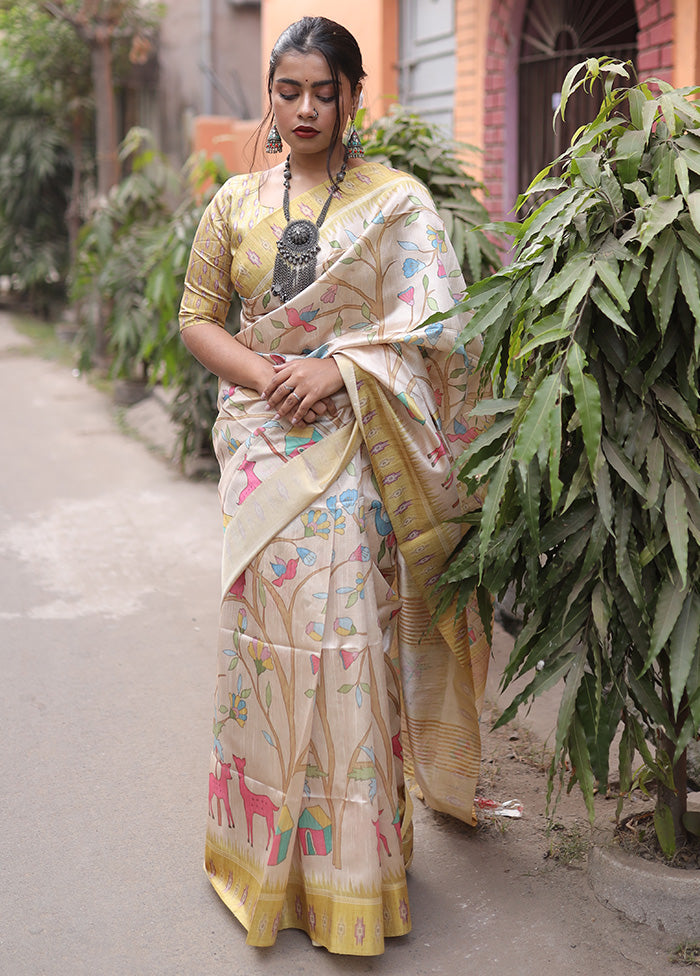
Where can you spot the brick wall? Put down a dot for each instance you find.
(655, 57)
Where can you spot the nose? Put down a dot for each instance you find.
(306, 108)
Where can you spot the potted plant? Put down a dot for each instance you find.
(592, 338)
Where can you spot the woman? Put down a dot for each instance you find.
(339, 410)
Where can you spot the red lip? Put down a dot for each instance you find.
(305, 130)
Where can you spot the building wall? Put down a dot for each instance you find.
(215, 32)
(374, 24)
(661, 23)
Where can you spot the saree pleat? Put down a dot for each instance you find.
(331, 683)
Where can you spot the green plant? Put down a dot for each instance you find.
(132, 260)
(592, 337)
(35, 179)
(407, 142)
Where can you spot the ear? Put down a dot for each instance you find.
(356, 99)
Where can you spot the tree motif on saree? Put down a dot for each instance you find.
(331, 681)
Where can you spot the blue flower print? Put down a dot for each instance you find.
(412, 267)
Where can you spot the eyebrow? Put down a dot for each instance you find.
(314, 84)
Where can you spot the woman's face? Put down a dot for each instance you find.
(303, 102)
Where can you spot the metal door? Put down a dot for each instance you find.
(557, 34)
(427, 59)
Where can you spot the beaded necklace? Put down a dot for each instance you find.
(295, 264)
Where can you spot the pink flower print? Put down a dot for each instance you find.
(239, 709)
(408, 295)
(360, 555)
(298, 907)
(362, 178)
(314, 629)
(403, 910)
(329, 295)
(348, 658)
(261, 655)
(276, 923)
(441, 269)
(344, 626)
(238, 586)
(437, 239)
(312, 917)
(316, 522)
(254, 258)
(307, 211)
(315, 663)
(360, 931)
(242, 621)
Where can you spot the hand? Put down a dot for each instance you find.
(303, 389)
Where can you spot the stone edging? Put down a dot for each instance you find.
(667, 899)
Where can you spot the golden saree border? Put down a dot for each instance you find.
(443, 751)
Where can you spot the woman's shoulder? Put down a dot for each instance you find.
(238, 186)
(406, 188)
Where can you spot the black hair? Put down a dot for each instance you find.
(340, 50)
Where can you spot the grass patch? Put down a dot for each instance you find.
(569, 845)
(687, 953)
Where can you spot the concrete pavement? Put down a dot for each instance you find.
(108, 604)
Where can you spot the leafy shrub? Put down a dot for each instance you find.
(592, 335)
(35, 179)
(132, 259)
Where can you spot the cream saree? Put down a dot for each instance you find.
(330, 683)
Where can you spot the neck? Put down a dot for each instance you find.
(315, 166)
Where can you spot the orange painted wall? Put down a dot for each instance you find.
(686, 40)
(471, 23)
(374, 23)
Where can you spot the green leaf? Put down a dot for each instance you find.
(536, 423)
(693, 201)
(567, 702)
(663, 824)
(658, 215)
(581, 762)
(621, 463)
(587, 399)
(268, 695)
(666, 612)
(682, 176)
(605, 303)
(687, 274)
(608, 272)
(655, 471)
(676, 515)
(497, 485)
(683, 648)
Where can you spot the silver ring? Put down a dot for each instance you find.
(288, 387)
(295, 395)
(315, 114)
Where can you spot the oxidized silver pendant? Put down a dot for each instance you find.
(295, 264)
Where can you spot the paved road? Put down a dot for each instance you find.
(108, 600)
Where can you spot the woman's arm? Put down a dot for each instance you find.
(224, 356)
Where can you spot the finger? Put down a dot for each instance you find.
(278, 392)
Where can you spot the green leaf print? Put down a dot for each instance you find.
(268, 695)
(344, 689)
(409, 220)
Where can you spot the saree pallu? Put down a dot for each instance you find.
(331, 682)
